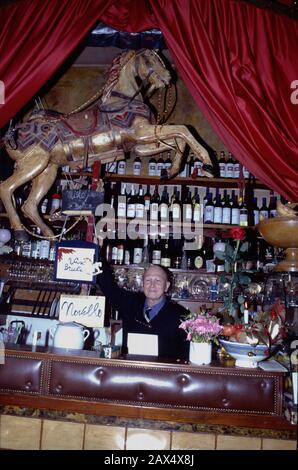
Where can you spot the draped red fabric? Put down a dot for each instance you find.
(239, 62)
(36, 37)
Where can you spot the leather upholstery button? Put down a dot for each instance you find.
(28, 385)
(184, 379)
(263, 384)
(141, 396)
(59, 388)
(225, 402)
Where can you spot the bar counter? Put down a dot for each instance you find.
(209, 403)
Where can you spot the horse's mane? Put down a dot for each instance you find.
(114, 72)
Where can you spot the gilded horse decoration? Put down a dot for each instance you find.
(117, 120)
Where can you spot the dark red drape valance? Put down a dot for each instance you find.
(238, 61)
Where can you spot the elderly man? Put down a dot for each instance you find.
(149, 312)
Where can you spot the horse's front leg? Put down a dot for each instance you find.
(40, 186)
(147, 133)
(27, 168)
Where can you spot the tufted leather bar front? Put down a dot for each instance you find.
(142, 384)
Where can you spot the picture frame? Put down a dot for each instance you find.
(74, 261)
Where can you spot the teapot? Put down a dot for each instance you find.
(69, 335)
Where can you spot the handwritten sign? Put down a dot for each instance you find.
(76, 263)
(88, 310)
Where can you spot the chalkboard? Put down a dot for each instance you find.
(82, 201)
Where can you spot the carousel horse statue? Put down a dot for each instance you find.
(115, 121)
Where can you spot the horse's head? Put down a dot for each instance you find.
(150, 68)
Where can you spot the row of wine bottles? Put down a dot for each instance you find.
(221, 208)
(173, 253)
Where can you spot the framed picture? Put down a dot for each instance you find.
(74, 261)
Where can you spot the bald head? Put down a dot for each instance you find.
(156, 284)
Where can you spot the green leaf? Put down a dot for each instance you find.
(244, 247)
(229, 251)
(227, 267)
(220, 255)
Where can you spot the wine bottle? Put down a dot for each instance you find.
(160, 166)
(217, 217)
(196, 207)
(272, 206)
(176, 208)
(140, 204)
(154, 206)
(131, 204)
(187, 208)
(198, 166)
(264, 212)
(222, 164)
(209, 210)
(230, 167)
(121, 203)
(156, 252)
(168, 162)
(164, 205)
(243, 213)
(165, 255)
(256, 211)
(137, 166)
(236, 169)
(226, 209)
(121, 168)
(147, 199)
(138, 251)
(152, 167)
(235, 219)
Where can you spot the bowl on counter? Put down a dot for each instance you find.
(246, 355)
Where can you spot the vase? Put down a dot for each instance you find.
(200, 353)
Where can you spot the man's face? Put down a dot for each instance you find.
(155, 284)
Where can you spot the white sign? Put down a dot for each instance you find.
(75, 264)
(146, 345)
(88, 310)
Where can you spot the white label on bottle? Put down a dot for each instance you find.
(263, 215)
(140, 211)
(44, 249)
(209, 214)
(156, 256)
(176, 212)
(245, 172)
(147, 204)
(188, 213)
(226, 215)
(126, 257)
(198, 262)
(217, 215)
(121, 168)
(235, 216)
(120, 253)
(222, 170)
(236, 170)
(137, 168)
(137, 255)
(114, 254)
(112, 167)
(164, 210)
(154, 211)
(152, 169)
(199, 166)
(121, 209)
(230, 170)
(131, 211)
(197, 213)
(165, 262)
(256, 217)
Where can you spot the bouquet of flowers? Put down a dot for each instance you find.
(201, 328)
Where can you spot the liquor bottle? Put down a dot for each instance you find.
(168, 162)
(44, 206)
(235, 218)
(264, 212)
(196, 207)
(137, 166)
(120, 252)
(272, 206)
(222, 164)
(243, 213)
(198, 166)
(121, 168)
(245, 172)
(165, 255)
(55, 202)
(236, 169)
(156, 252)
(127, 250)
(152, 167)
(111, 167)
(209, 210)
(256, 211)
(199, 262)
(217, 217)
(176, 208)
(190, 164)
(138, 251)
(209, 254)
(131, 204)
(187, 208)
(160, 166)
(230, 167)
(204, 203)
(226, 209)
(154, 205)
(164, 205)
(140, 204)
(147, 199)
(121, 203)
(146, 251)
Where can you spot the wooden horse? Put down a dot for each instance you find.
(116, 122)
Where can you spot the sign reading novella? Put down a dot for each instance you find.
(75, 261)
(88, 310)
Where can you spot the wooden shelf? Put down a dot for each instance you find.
(199, 181)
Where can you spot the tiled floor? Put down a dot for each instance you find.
(32, 434)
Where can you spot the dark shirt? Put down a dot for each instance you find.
(172, 343)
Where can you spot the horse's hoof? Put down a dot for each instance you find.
(20, 235)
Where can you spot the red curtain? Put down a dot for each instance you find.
(238, 61)
(36, 37)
